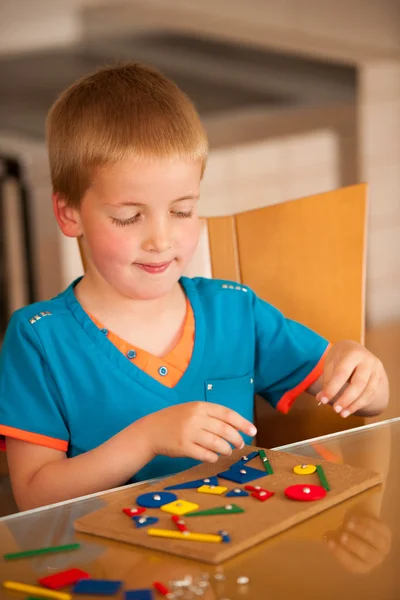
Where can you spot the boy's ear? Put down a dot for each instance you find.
(68, 218)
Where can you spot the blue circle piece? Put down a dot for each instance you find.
(155, 499)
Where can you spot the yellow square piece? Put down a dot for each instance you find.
(212, 489)
(179, 507)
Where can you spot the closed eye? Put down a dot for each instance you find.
(184, 215)
(124, 222)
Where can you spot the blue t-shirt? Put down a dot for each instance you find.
(63, 384)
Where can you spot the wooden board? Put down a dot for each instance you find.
(260, 521)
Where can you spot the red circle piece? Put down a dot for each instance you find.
(305, 492)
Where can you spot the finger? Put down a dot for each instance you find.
(340, 376)
(349, 561)
(362, 401)
(212, 442)
(358, 384)
(376, 533)
(232, 418)
(224, 431)
(202, 454)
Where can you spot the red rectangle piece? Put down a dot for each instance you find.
(63, 578)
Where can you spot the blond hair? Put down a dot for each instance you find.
(118, 112)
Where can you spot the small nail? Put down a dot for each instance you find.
(344, 538)
(324, 400)
(253, 431)
(345, 413)
(351, 525)
(338, 408)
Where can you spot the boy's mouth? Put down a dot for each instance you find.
(154, 268)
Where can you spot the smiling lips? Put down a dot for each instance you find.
(154, 268)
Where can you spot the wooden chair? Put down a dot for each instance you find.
(307, 258)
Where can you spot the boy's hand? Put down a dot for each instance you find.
(199, 430)
(354, 380)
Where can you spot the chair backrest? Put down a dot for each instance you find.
(307, 258)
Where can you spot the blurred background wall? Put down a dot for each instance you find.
(298, 97)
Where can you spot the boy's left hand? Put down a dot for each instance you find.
(353, 381)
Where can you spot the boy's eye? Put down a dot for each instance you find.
(123, 222)
(183, 215)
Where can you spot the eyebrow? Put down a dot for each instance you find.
(131, 203)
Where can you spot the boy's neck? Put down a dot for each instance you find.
(100, 299)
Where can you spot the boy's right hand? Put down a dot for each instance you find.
(199, 430)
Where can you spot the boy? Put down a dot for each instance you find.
(134, 371)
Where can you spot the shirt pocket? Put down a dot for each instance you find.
(236, 393)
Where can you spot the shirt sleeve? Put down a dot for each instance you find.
(31, 408)
(289, 356)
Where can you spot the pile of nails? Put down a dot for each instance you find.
(188, 588)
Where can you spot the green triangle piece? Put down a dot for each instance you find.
(228, 509)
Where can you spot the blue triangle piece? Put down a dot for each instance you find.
(244, 459)
(249, 474)
(142, 521)
(188, 485)
(236, 492)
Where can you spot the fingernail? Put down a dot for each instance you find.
(253, 430)
(324, 400)
(351, 525)
(345, 413)
(241, 445)
(344, 538)
(338, 408)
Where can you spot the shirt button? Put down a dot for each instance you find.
(105, 331)
(163, 371)
(131, 354)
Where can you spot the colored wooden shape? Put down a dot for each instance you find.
(243, 460)
(16, 586)
(305, 492)
(63, 578)
(144, 521)
(39, 551)
(243, 475)
(99, 587)
(236, 492)
(267, 465)
(179, 522)
(322, 478)
(262, 495)
(155, 499)
(228, 509)
(225, 536)
(161, 588)
(139, 595)
(191, 537)
(196, 483)
(130, 512)
(179, 507)
(304, 469)
(218, 490)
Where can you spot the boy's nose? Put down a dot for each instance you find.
(158, 239)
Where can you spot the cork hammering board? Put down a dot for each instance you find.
(260, 521)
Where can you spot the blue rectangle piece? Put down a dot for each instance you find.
(139, 595)
(101, 587)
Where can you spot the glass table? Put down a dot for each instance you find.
(350, 551)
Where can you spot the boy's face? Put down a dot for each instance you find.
(140, 225)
